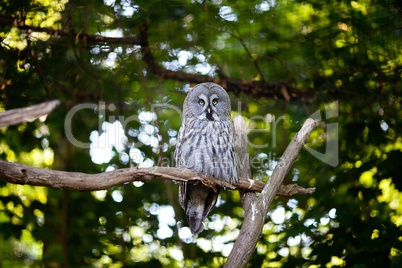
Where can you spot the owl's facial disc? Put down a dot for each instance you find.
(209, 102)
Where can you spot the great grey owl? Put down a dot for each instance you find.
(205, 144)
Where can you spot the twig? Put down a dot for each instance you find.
(240, 38)
(19, 115)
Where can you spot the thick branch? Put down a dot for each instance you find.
(285, 164)
(22, 174)
(16, 116)
(249, 235)
(243, 159)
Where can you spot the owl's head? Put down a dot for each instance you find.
(207, 101)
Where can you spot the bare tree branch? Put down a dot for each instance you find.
(22, 174)
(255, 216)
(243, 158)
(16, 116)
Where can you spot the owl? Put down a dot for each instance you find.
(205, 144)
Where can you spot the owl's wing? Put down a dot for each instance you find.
(183, 194)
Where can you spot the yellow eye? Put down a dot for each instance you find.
(201, 102)
(214, 101)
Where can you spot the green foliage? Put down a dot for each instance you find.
(346, 51)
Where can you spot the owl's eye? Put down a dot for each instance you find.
(201, 102)
(214, 101)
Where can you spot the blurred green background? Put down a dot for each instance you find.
(316, 54)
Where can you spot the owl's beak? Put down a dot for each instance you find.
(209, 114)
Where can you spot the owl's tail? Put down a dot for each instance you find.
(199, 201)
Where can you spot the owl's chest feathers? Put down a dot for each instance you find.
(207, 147)
(207, 133)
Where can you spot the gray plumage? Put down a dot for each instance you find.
(205, 144)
